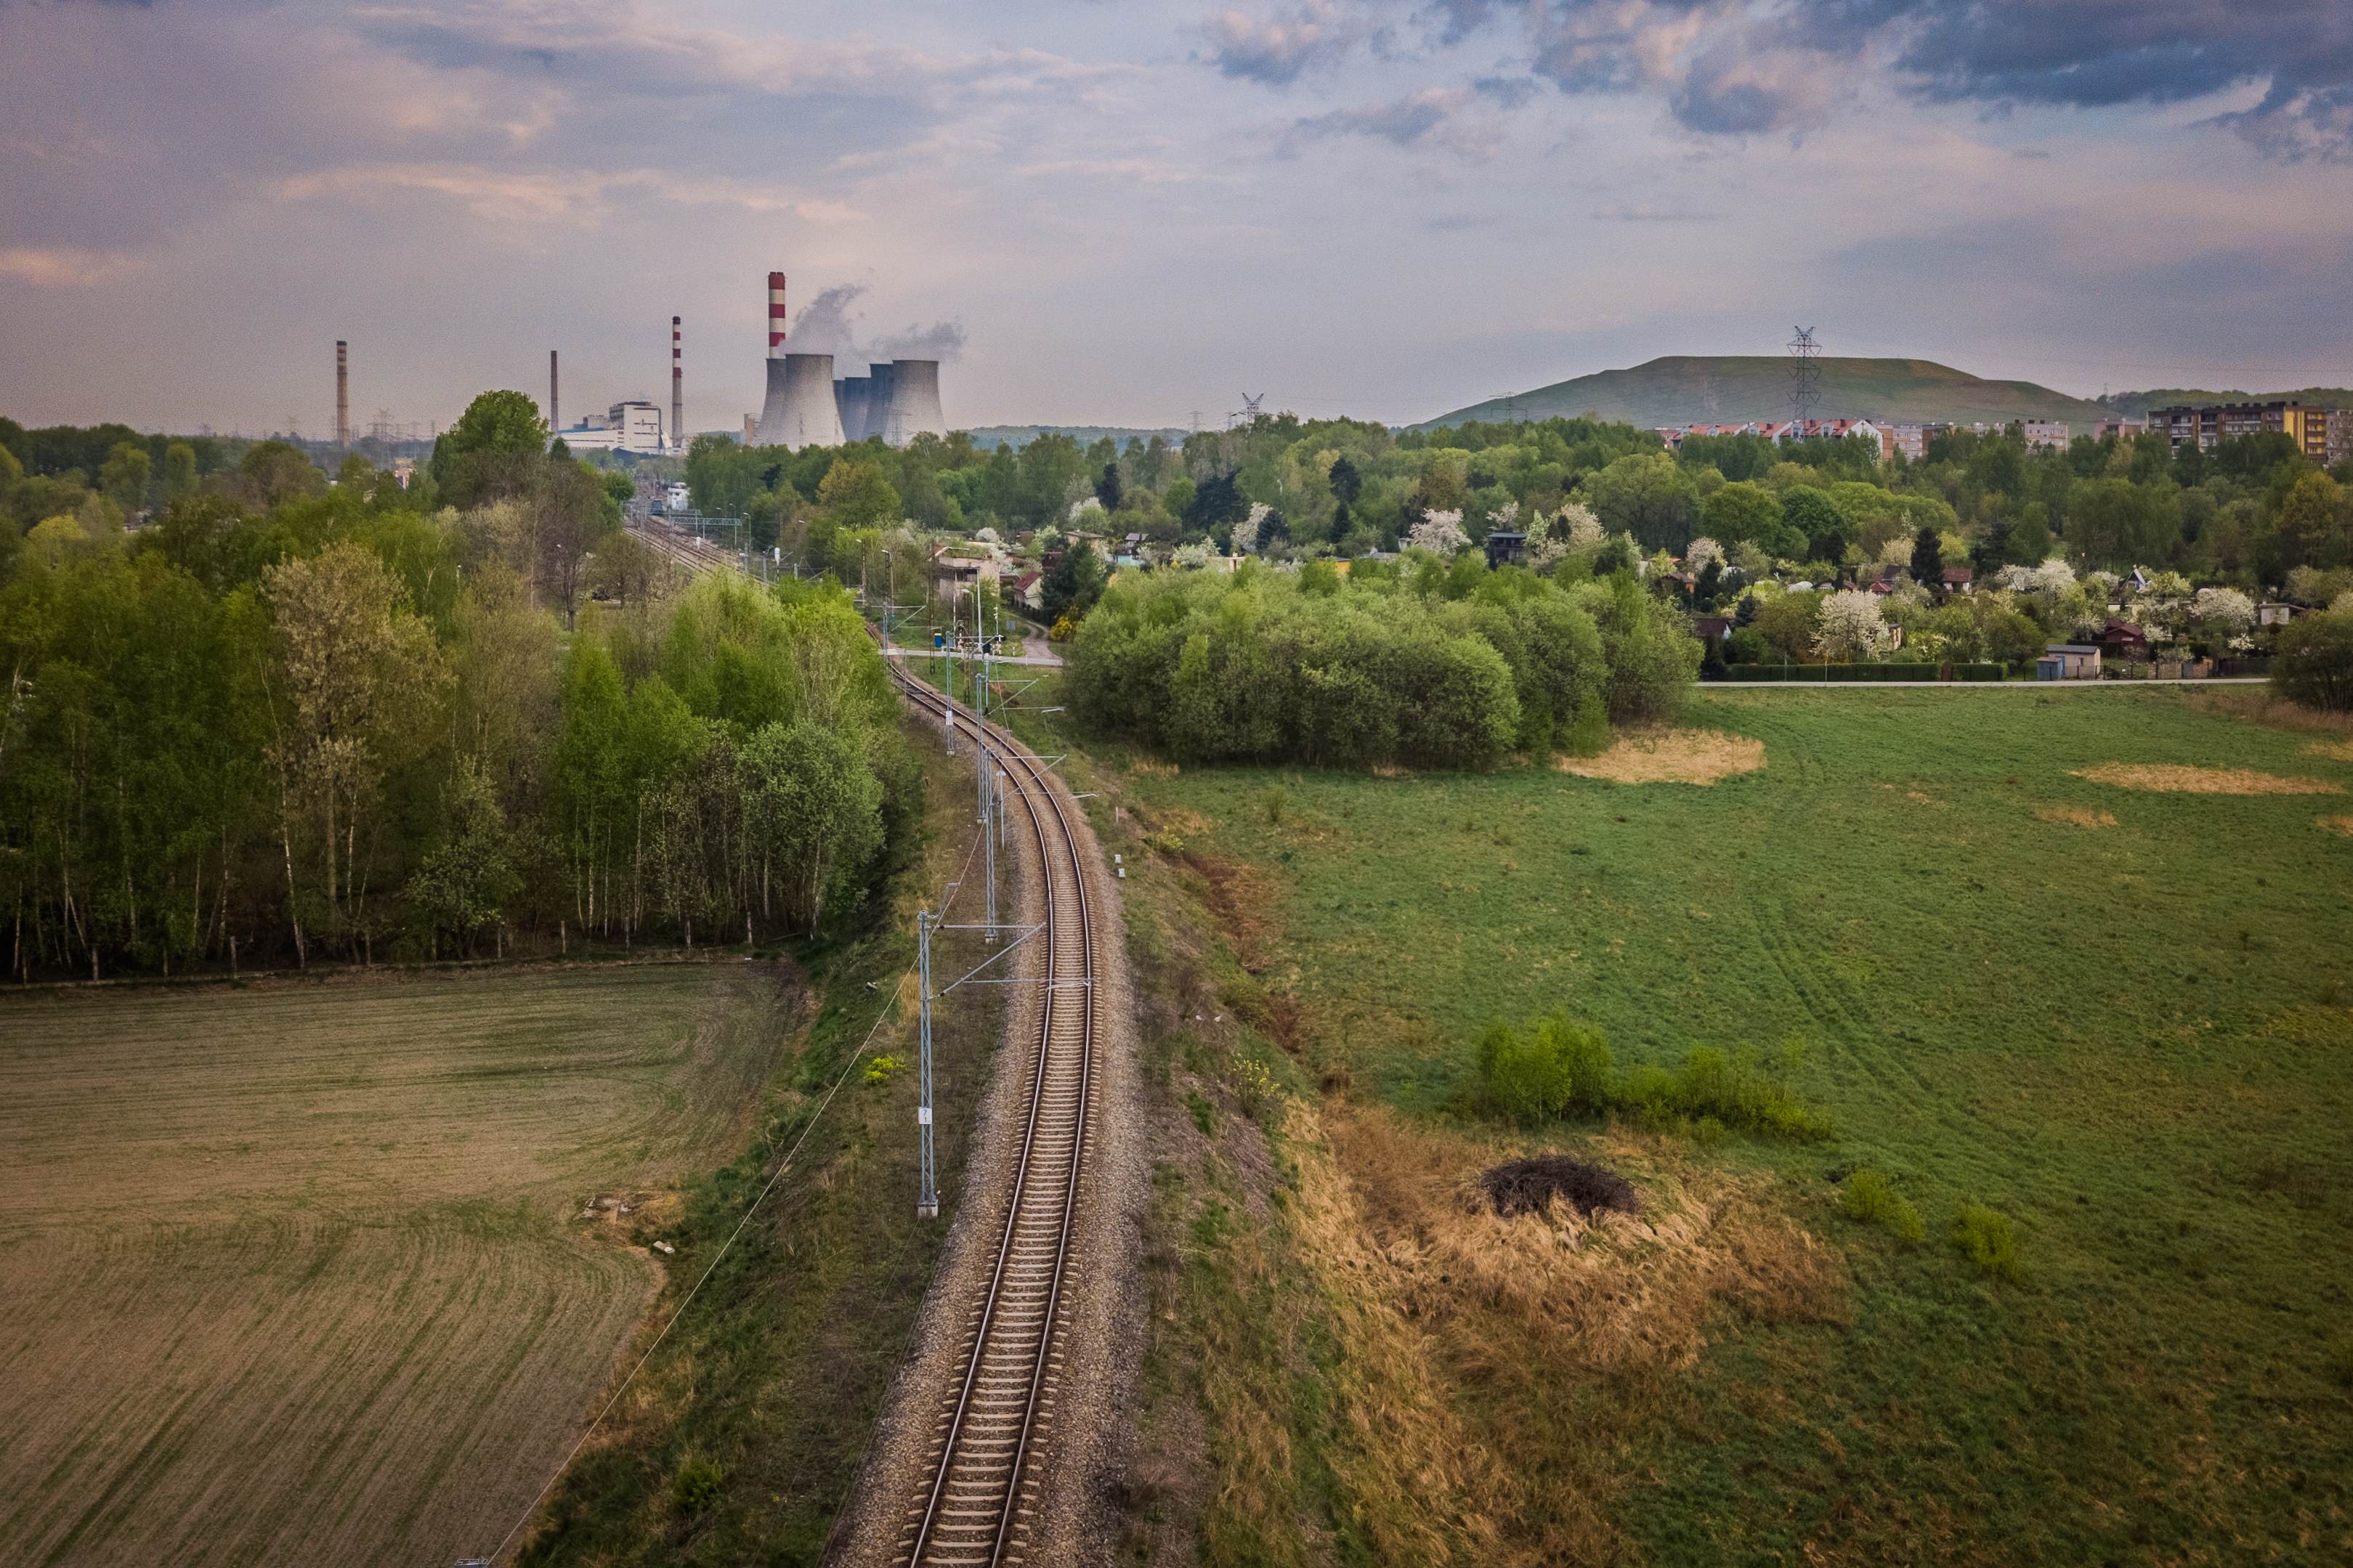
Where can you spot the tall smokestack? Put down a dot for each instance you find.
(677, 391)
(554, 422)
(342, 393)
(775, 315)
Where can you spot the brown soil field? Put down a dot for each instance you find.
(298, 1272)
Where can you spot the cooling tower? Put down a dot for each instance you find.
(800, 411)
(914, 404)
(878, 401)
(851, 393)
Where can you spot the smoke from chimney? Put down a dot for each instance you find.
(775, 315)
(677, 390)
(342, 393)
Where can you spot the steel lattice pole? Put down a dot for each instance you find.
(927, 1197)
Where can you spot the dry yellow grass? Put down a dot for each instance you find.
(2178, 778)
(2336, 751)
(1671, 756)
(2341, 825)
(2080, 815)
(1428, 1290)
(319, 1272)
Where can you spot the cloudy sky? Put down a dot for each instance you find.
(1126, 211)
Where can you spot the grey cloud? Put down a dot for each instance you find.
(1404, 120)
(1511, 92)
(1732, 68)
(1277, 50)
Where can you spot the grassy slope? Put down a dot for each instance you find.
(297, 1267)
(2133, 1039)
(1735, 388)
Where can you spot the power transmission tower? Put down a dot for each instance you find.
(1805, 376)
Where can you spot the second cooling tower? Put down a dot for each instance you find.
(911, 406)
(853, 395)
(800, 411)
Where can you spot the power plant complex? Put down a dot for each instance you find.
(807, 407)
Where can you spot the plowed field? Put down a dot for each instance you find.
(298, 1273)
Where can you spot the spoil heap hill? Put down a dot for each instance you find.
(1725, 389)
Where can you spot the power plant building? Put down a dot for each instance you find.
(634, 426)
(804, 406)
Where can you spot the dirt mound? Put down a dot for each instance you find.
(2176, 778)
(2081, 816)
(2341, 825)
(1671, 756)
(1528, 1186)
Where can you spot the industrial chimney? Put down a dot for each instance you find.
(799, 410)
(342, 393)
(554, 422)
(914, 403)
(677, 391)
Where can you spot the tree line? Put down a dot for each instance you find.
(293, 720)
(1428, 662)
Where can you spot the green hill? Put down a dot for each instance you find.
(1726, 389)
(2135, 405)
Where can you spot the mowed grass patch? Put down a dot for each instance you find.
(300, 1270)
(2122, 1041)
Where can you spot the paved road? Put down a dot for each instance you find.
(1980, 685)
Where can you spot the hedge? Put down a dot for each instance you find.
(1838, 672)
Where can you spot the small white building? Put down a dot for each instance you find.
(676, 498)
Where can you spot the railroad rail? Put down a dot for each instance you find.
(978, 1490)
(979, 1487)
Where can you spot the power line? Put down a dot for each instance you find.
(810, 1126)
(1805, 375)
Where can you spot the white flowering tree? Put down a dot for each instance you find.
(1193, 555)
(2224, 610)
(1851, 625)
(1506, 519)
(1440, 534)
(1246, 531)
(1577, 524)
(1700, 551)
(2053, 577)
(1083, 505)
(989, 535)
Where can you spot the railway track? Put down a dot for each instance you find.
(980, 1486)
(981, 1476)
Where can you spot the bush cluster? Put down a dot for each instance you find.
(1871, 1197)
(1431, 666)
(1555, 1068)
(1986, 1239)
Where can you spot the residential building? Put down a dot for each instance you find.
(2068, 661)
(2123, 429)
(2047, 433)
(2214, 423)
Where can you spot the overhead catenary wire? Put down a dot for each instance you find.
(948, 898)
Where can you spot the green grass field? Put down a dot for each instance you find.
(2124, 1018)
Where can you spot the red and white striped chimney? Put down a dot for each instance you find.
(775, 315)
(677, 390)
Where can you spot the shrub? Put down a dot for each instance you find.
(1557, 1066)
(1274, 800)
(1870, 1198)
(1985, 1238)
(696, 1485)
(2314, 661)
